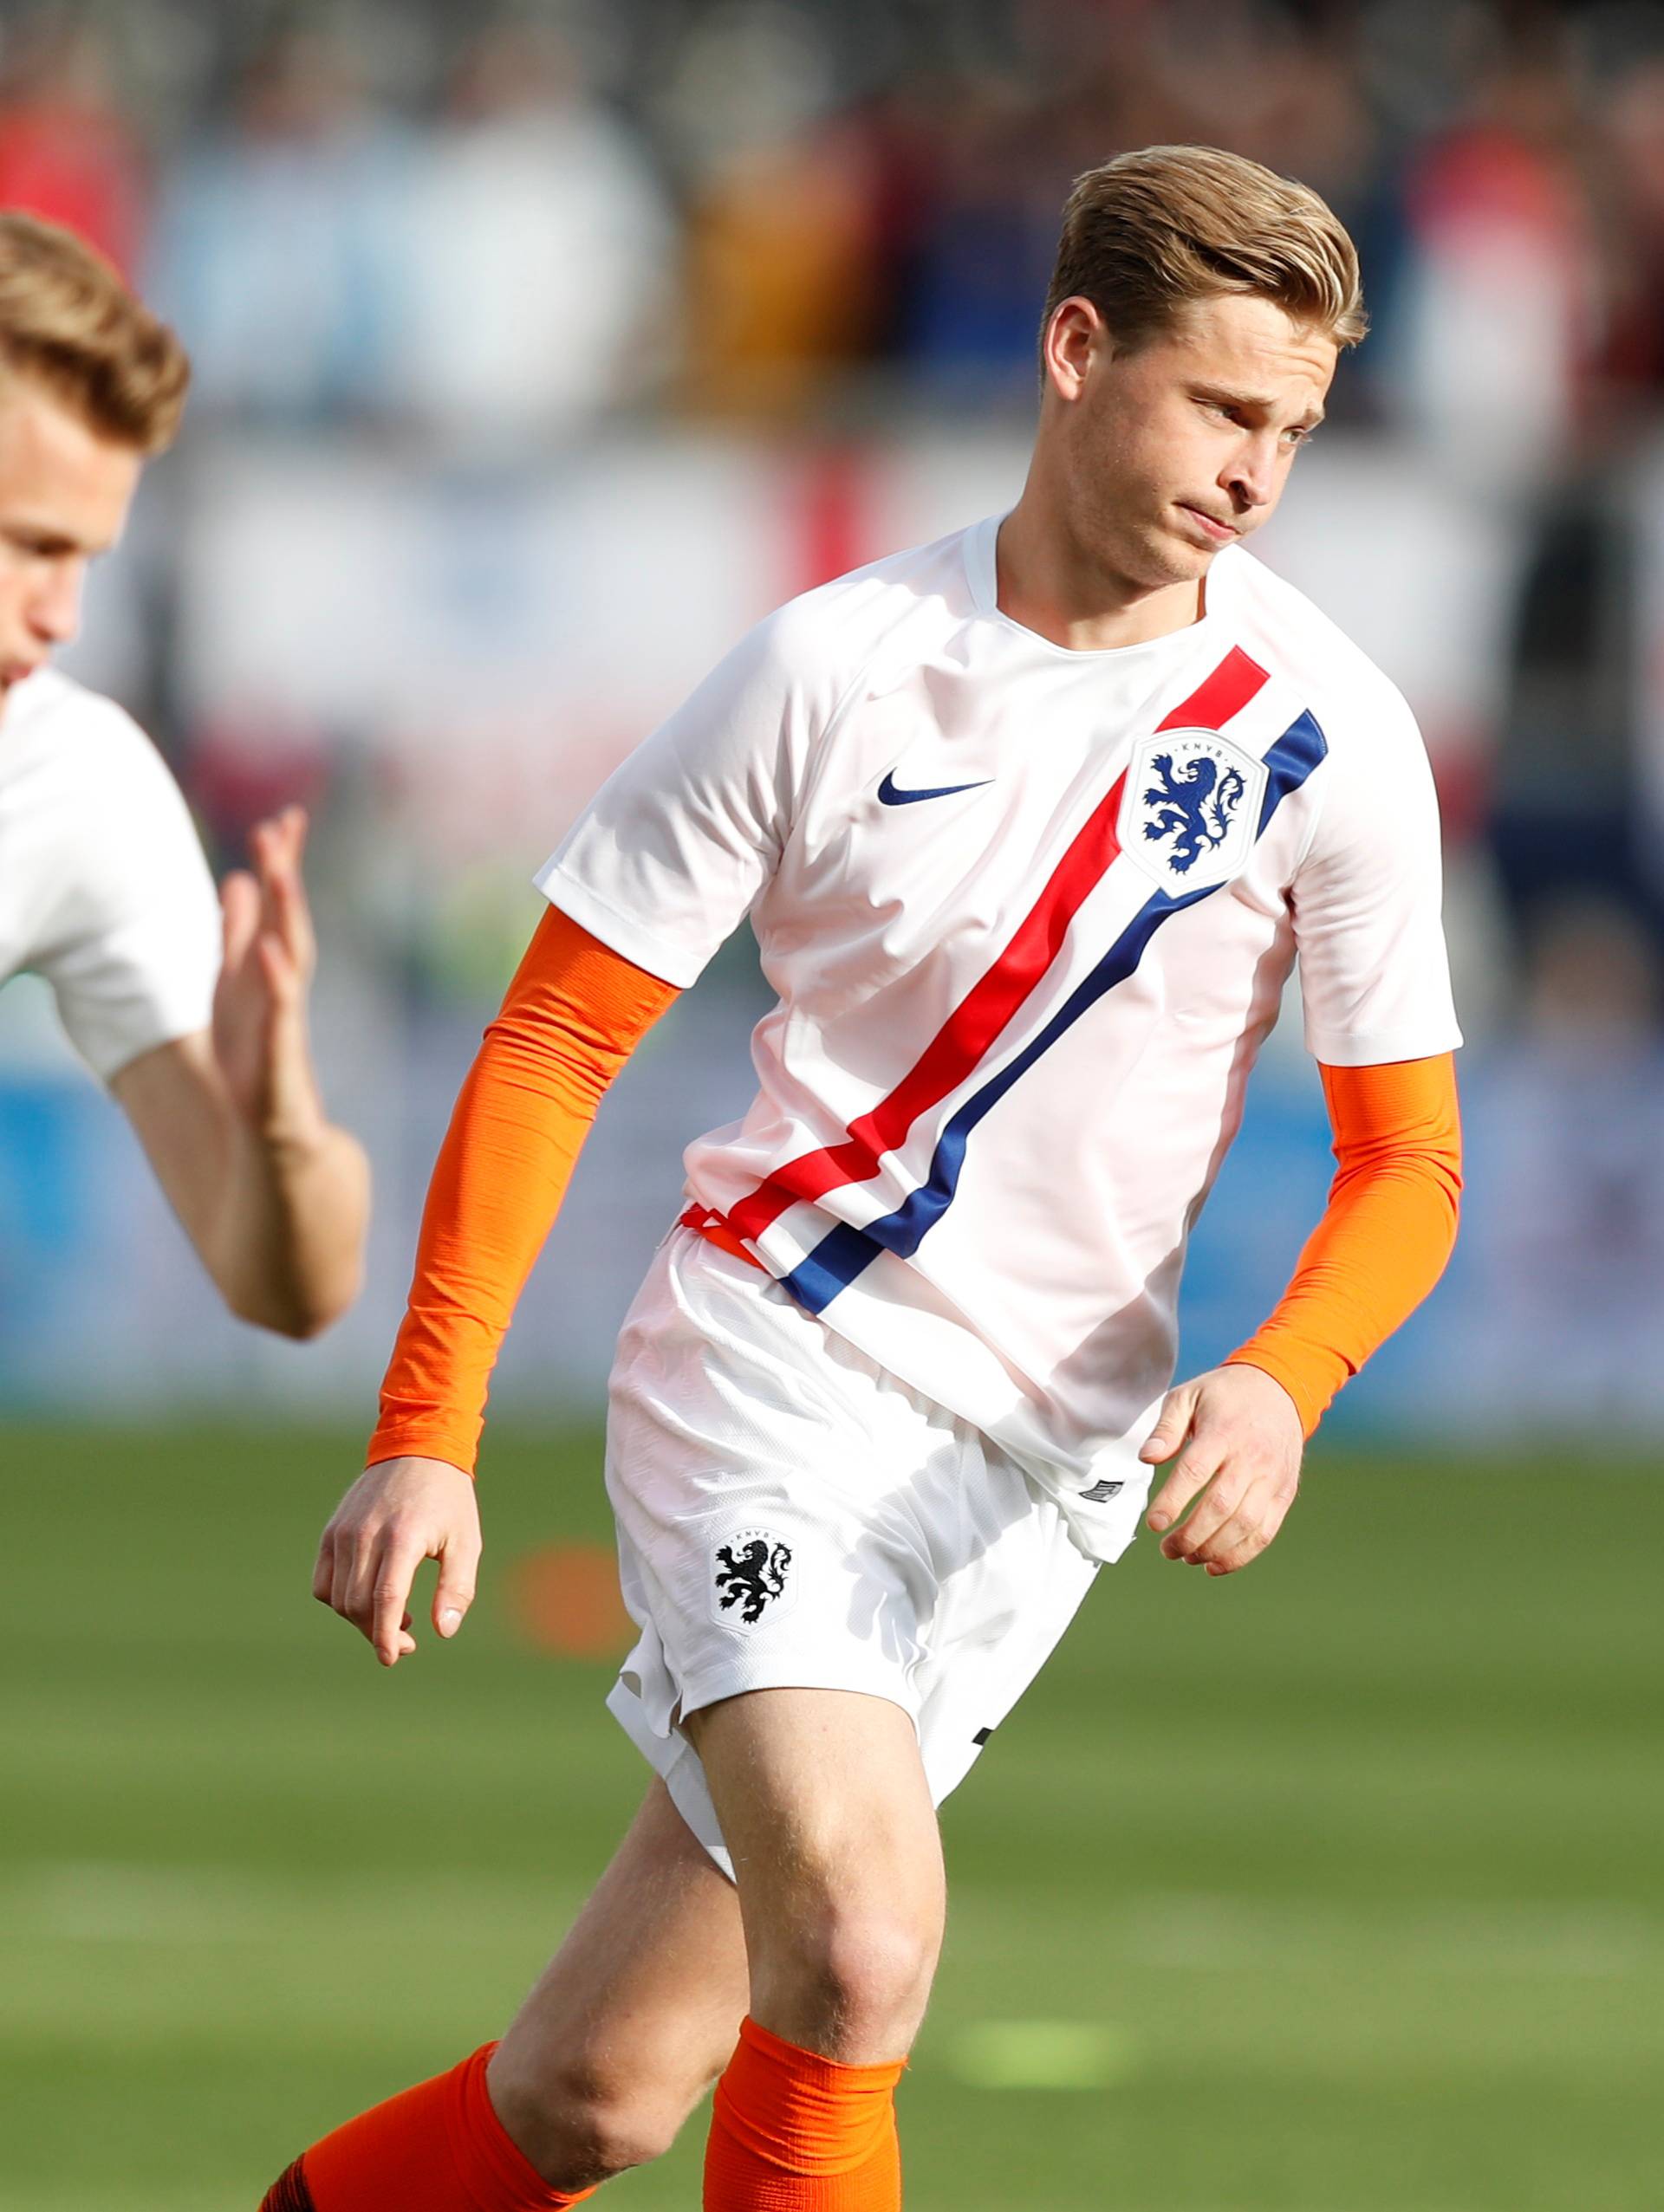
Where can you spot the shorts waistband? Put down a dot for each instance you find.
(712, 1226)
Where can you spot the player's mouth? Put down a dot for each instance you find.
(1217, 532)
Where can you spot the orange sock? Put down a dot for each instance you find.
(792, 2132)
(437, 2148)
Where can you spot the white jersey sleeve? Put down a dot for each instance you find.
(1375, 978)
(667, 859)
(134, 949)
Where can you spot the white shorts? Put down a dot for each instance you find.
(791, 1516)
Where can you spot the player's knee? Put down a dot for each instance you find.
(861, 1976)
(580, 2122)
(614, 2127)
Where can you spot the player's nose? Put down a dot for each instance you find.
(1253, 476)
(55, 613)
(1249, 474)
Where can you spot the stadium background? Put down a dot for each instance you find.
(538, 351)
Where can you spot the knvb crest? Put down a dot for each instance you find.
(752, 1577)
(1192, 808)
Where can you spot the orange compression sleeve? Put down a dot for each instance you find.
(571, 1017)
(1385, 1235)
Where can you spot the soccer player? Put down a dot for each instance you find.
(192, 1009)
(1030, 824)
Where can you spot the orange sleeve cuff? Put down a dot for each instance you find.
(1385, 1235)
(572, 1016)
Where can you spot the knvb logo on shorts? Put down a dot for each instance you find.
(1192, 808)
(752, 1578)
(1101, 1493)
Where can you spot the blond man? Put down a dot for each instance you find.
(190, 1006)
(1030, 824)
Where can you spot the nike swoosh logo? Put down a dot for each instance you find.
(893, 796)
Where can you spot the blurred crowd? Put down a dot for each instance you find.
(491, 229)
(505, 221)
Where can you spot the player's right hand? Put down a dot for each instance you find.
(399, 1513)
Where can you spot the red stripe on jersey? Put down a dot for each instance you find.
(977, 1021)
(961, 1040)
(1225, 692)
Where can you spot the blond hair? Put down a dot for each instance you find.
(1149, 232)
(67, 322)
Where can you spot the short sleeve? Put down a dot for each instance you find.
(669, 858)
(134, 951)
(1374, 976)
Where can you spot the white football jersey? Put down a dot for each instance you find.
(104, 890)
(1029, 913)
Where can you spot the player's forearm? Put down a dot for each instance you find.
(1385, 1237)
(287, 1245)
(573, 1015)
(498, 1186)
(274, 1200)
(1340, 1307)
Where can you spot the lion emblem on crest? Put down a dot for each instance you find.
(1193, 804)
(751, 1574)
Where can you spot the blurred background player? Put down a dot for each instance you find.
(192, 1011)
(1031, 823)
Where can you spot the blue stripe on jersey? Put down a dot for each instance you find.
(1289, 762)
(847, 1252)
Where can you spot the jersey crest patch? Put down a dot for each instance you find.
(751, 1576)
(1192, 808)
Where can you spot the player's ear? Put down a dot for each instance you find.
(1075, 332)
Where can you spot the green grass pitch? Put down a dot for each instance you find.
(1331, 1888)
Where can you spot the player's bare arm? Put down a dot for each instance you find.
(274, 1198)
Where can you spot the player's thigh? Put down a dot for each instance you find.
(644, 1998)
(827, 1813)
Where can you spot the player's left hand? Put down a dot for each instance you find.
(1239, 1441)
(259, 1022)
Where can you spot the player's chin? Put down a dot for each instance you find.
(1166, 557)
